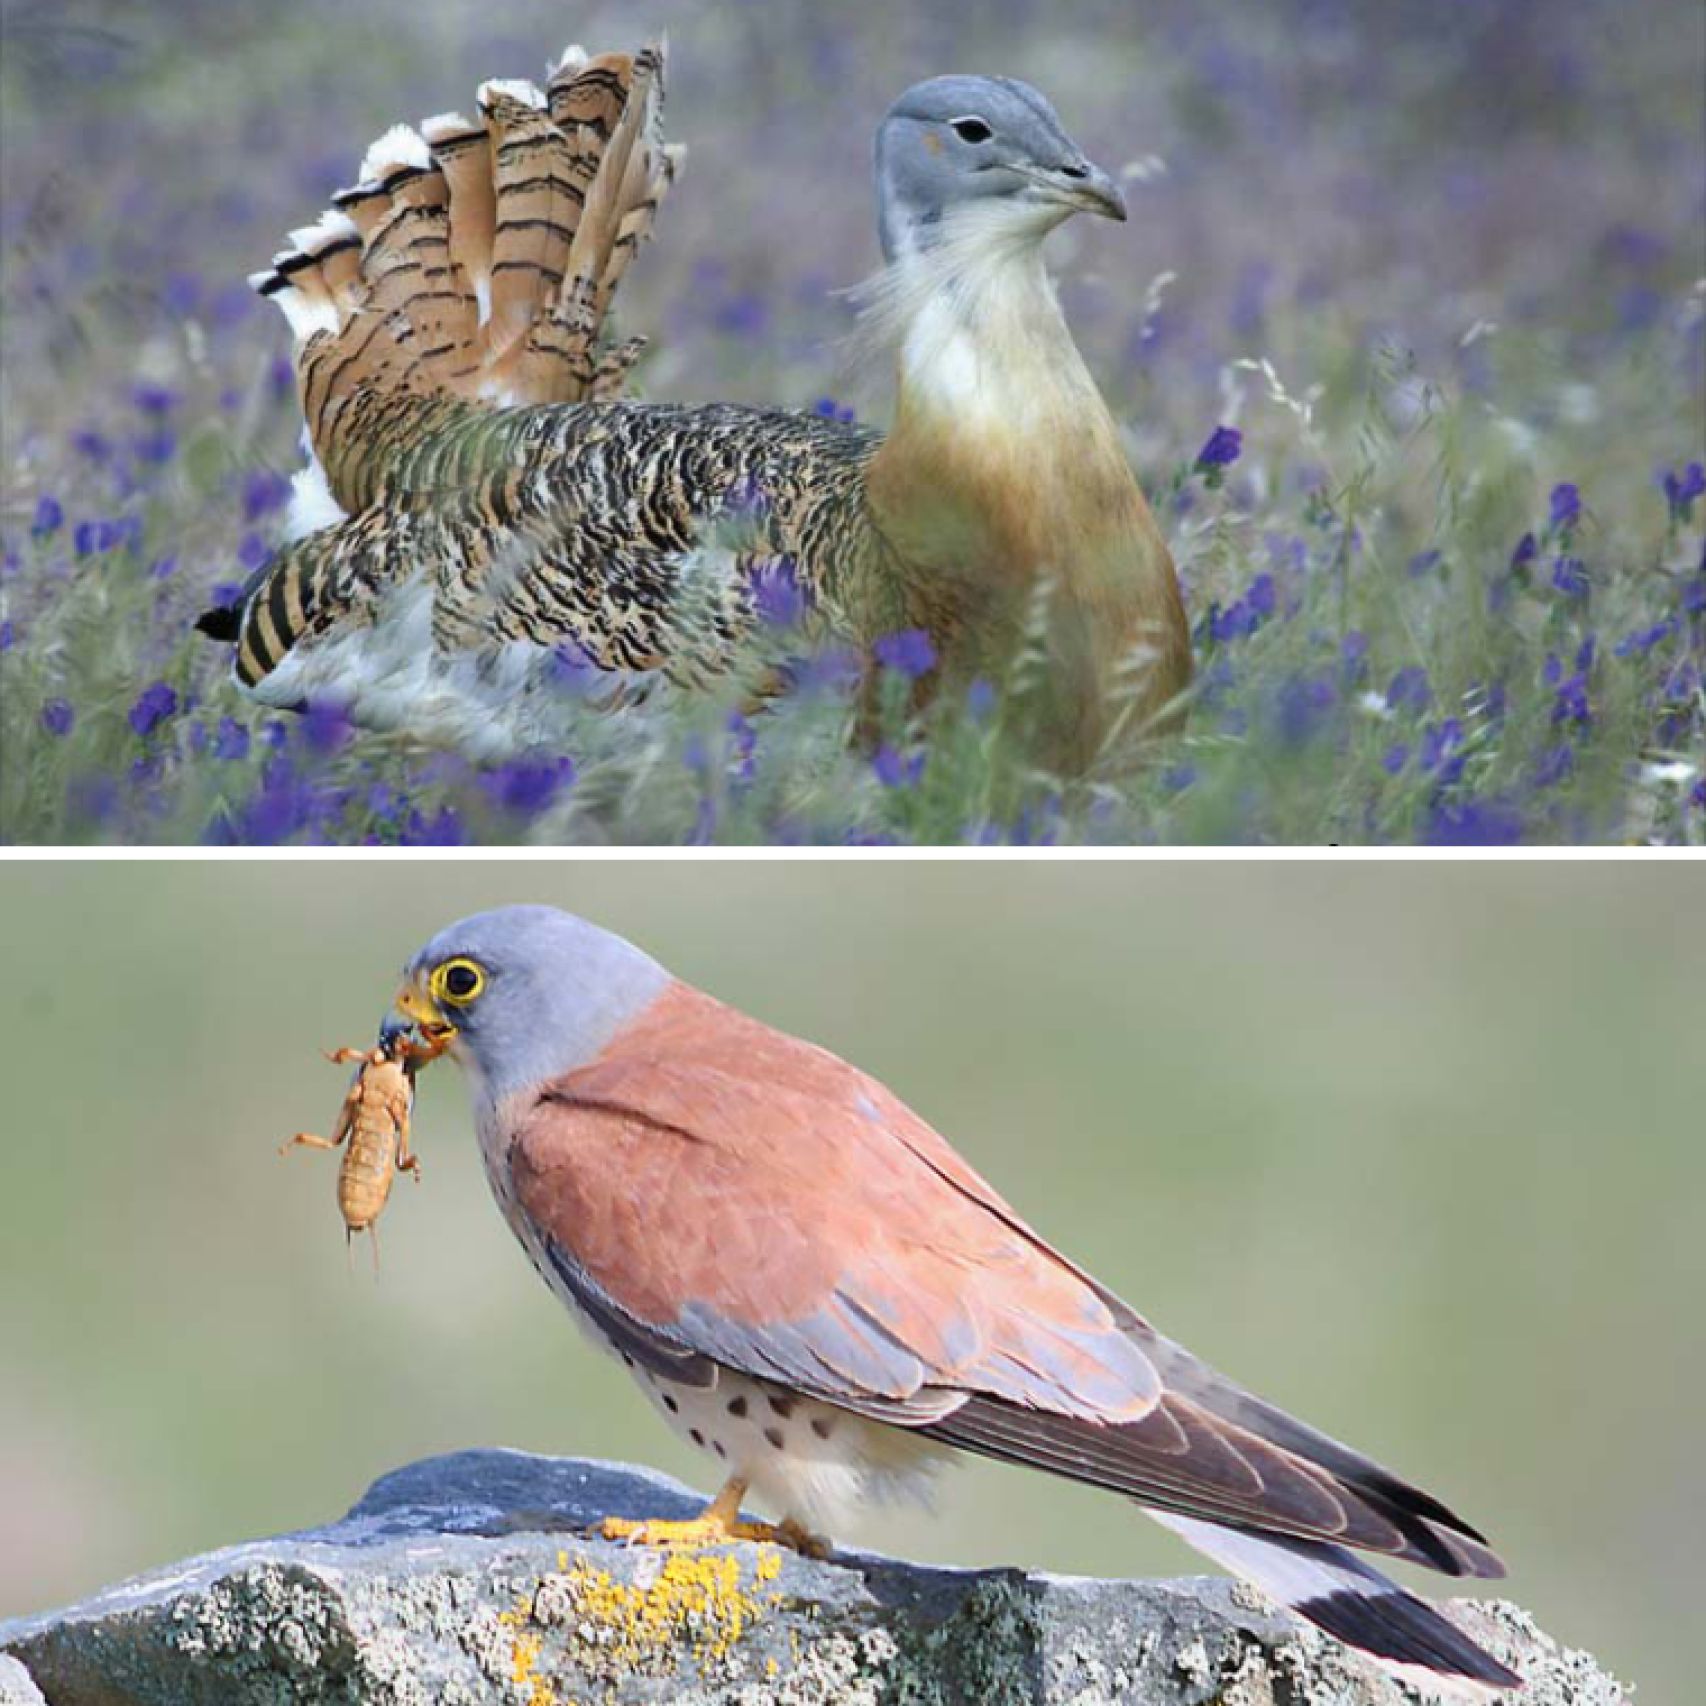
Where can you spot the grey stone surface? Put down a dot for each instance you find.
(469, 1580)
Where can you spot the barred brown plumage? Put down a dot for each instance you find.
(479, 502)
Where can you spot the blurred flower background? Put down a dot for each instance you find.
(1415, 1152)
(1408, 331)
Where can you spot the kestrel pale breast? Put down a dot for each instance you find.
(817, 1291)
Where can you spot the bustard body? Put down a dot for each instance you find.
(484, 518)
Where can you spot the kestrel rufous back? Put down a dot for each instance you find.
(816, 1290)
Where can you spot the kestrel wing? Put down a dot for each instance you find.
(746, 1197)
(719, 1194)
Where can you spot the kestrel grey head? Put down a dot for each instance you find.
(523, 993)
(989, 143)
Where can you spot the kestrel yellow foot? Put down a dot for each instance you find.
(718, 1524)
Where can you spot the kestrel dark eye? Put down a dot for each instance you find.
(971, 129)
(458, 981)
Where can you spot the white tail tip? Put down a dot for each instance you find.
(401, 146)
(442, 126)
(517, 88)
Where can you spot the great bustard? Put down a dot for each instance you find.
(480, 504)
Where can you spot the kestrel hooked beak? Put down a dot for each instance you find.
(815, 1289)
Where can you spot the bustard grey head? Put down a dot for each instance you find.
(992, 144)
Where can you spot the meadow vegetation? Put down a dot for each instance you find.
(1408, 333)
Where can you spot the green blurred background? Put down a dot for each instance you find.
(1414, 1150)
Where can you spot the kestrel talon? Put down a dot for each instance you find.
(818, 1292)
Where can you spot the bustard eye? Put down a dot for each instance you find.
(970, 129)
(458, 982)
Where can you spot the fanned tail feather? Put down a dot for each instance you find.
(1354, 1603)
(474, 264)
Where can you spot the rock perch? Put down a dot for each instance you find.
(468, 1581)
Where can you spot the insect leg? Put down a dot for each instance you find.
(309, 1141)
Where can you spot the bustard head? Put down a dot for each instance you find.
(986, 148)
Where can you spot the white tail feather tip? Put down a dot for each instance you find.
(442, 126)
(330, 227)
(517, 88)
(401, 145)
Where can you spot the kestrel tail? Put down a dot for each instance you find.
(816, 1290)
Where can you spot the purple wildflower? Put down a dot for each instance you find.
(908, 652)
(231, 741)
(92, 537)
(155, 448)
(154, 399)
(980, 700)
(893, 771)
(1570, 577)
(443, 829)
(1301, 708)
(832, 410)
(1245, 615)
(527, 786)
(1393, 760)
(572, 669)
(162, 568)
(8, 635)
(1225, 445)
(743, 747)
(1422, 563)
(1527, 549)
(1492, 822)
(252, 551)
(1409, 690)
(744, 315)
(264, 490)
(49, 517)
(57, 717)
(777, 594)
(1571, 702)
(1565, 507)
(1644, 639)
(1682, 489)
(326, 727)
(153, 706)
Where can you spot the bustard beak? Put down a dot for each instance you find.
(1080, 185)
(1087, 186)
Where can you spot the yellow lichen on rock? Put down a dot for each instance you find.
(696, 1600)
(524, 1655)
(678, 1603)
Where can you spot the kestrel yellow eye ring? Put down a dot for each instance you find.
(457, 982)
